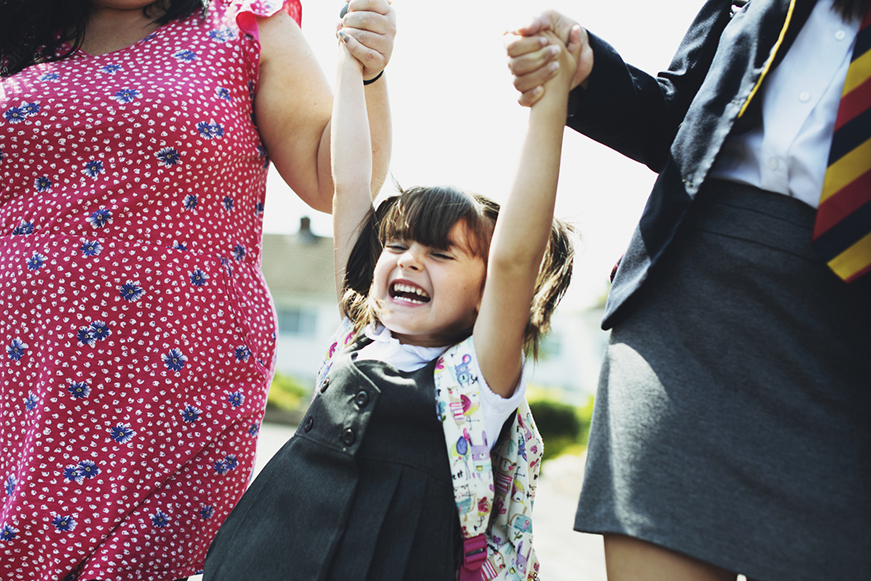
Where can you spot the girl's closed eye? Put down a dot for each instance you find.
(442, 255)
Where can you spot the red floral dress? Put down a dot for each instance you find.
(137, 334)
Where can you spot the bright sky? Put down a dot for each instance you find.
(456, 120)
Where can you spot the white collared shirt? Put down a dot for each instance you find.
(789, 153)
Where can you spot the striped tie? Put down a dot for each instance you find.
(842, 233)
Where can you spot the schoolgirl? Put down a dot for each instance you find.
(439, 297)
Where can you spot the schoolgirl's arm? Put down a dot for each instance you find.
(351, 160)
(294, 99)
(522, 232)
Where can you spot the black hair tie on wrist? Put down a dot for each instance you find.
(373, 79)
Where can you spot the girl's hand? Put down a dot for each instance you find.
(563, 67)
(370, 29)
(529, 57)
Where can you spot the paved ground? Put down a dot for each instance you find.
(564, 554)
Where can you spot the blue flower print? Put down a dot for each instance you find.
(174, 360)
(238, 252)
(254, 429)
(159, 519)
(49, 77)
(209, 130)
(224, 93)
(168, 156)
(63, 523)
(190, 202)
(126, 95)
(25, 228)
(224, 34)
(35, 261)
(235, 398)
(30, 109)
(228, 203)
(73, 474)
(42, 183)
(88, 468)
(100, 218)
(7, 533)
(10, 485)
(179, 246)
(187, 56)
(122, 433)
(199, 278)
(242, 353)
(31, 401)
(15, 115)
(130, 291)
(228, 464)
(93, 168)
(91, 248)
(86, 336)
(99, 330)
(16, 350)
(258, 209)
(207, 511)
(190, 414)
(79, 389)
(111, 69)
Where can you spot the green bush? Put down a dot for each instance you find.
(563, 427)
(286, 393)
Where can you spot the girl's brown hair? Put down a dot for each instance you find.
(427, 215)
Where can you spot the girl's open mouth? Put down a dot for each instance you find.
(409, 293)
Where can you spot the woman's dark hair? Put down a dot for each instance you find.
(31, 31)
(427, 216)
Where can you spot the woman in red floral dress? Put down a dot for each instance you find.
(138, 335)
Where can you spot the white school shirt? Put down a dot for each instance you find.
(384, 347)
(789, 152)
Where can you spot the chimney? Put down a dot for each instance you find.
(306, 236)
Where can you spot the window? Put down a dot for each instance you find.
(296, 322)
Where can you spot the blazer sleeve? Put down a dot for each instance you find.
(638, 114)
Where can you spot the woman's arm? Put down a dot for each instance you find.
(351, 160)
(522, 232)
(294, 101)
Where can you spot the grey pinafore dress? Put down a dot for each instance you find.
(361, 491)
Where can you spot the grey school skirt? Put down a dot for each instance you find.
(733, 417)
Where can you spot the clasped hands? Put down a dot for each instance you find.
(368, 29)
(533, 56)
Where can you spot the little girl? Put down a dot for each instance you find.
(382, 479)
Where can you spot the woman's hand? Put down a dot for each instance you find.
(370, 26)
(531, 55)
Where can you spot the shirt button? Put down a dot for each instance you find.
(772, 163)
(840, 35)
(804, 96)
(361, 399)
(349, 437)
(325, 385)
(309, 423)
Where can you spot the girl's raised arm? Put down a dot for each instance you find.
(522, 232)
(293, 99)
(351, 160)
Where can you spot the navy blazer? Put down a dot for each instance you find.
(676, 122)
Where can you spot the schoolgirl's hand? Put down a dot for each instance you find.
(369, 29)
(530, 56)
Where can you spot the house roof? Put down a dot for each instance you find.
(299, 264)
